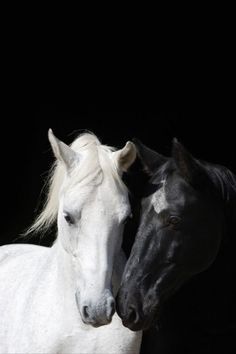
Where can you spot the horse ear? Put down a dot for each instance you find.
(62, 151)
(187, 165)
(126, 156)
(150, 159)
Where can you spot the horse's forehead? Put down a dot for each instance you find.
(158, 199)
(101, 193)
(173, 192)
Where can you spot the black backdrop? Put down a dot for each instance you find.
(26, 154)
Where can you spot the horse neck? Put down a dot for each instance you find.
(207, 300)
(224, 263)
(212, 291)
(225, 183)
(230, 215)
(228, 242)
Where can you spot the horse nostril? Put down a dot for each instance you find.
(85, 312)
(133, 316)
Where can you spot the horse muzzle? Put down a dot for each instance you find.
(97, 313)
(136, 313)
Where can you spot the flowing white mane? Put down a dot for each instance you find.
(95, 163)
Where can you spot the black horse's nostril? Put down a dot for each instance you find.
(85, 312)
(132, 315)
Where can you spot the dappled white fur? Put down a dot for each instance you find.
(38, 309)
(39, 285)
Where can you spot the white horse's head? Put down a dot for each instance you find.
(91, 203)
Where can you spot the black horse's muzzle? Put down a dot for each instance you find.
(136, 313)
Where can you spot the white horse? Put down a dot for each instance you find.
(51, 299)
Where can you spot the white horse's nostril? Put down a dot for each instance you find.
(85, 312)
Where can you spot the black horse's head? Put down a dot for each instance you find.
(179, 234)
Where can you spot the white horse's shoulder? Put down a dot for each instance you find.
(14, 250)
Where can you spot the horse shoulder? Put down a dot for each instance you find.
(13, 250)
(19, 265)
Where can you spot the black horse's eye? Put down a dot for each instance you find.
(68, 218)
(174, 220)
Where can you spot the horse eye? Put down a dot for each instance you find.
(68, 219)
(174, 220)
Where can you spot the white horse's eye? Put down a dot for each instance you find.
(68, 219)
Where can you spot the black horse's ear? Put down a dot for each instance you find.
(150, 159)
(187, 165)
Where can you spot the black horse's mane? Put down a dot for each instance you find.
(224, 180)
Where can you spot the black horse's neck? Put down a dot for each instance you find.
(207, 301)
(224, 182)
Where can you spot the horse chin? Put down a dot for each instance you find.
(98, 324)
(133, 326)
(142, 325)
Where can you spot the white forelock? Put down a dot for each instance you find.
(95, 161)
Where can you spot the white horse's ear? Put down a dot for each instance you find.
(62, 151)
(126, 156)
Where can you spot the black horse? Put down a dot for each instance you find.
(185, 242)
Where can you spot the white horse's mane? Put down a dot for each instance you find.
(97, 162)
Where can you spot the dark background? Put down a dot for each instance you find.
(26, 155)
